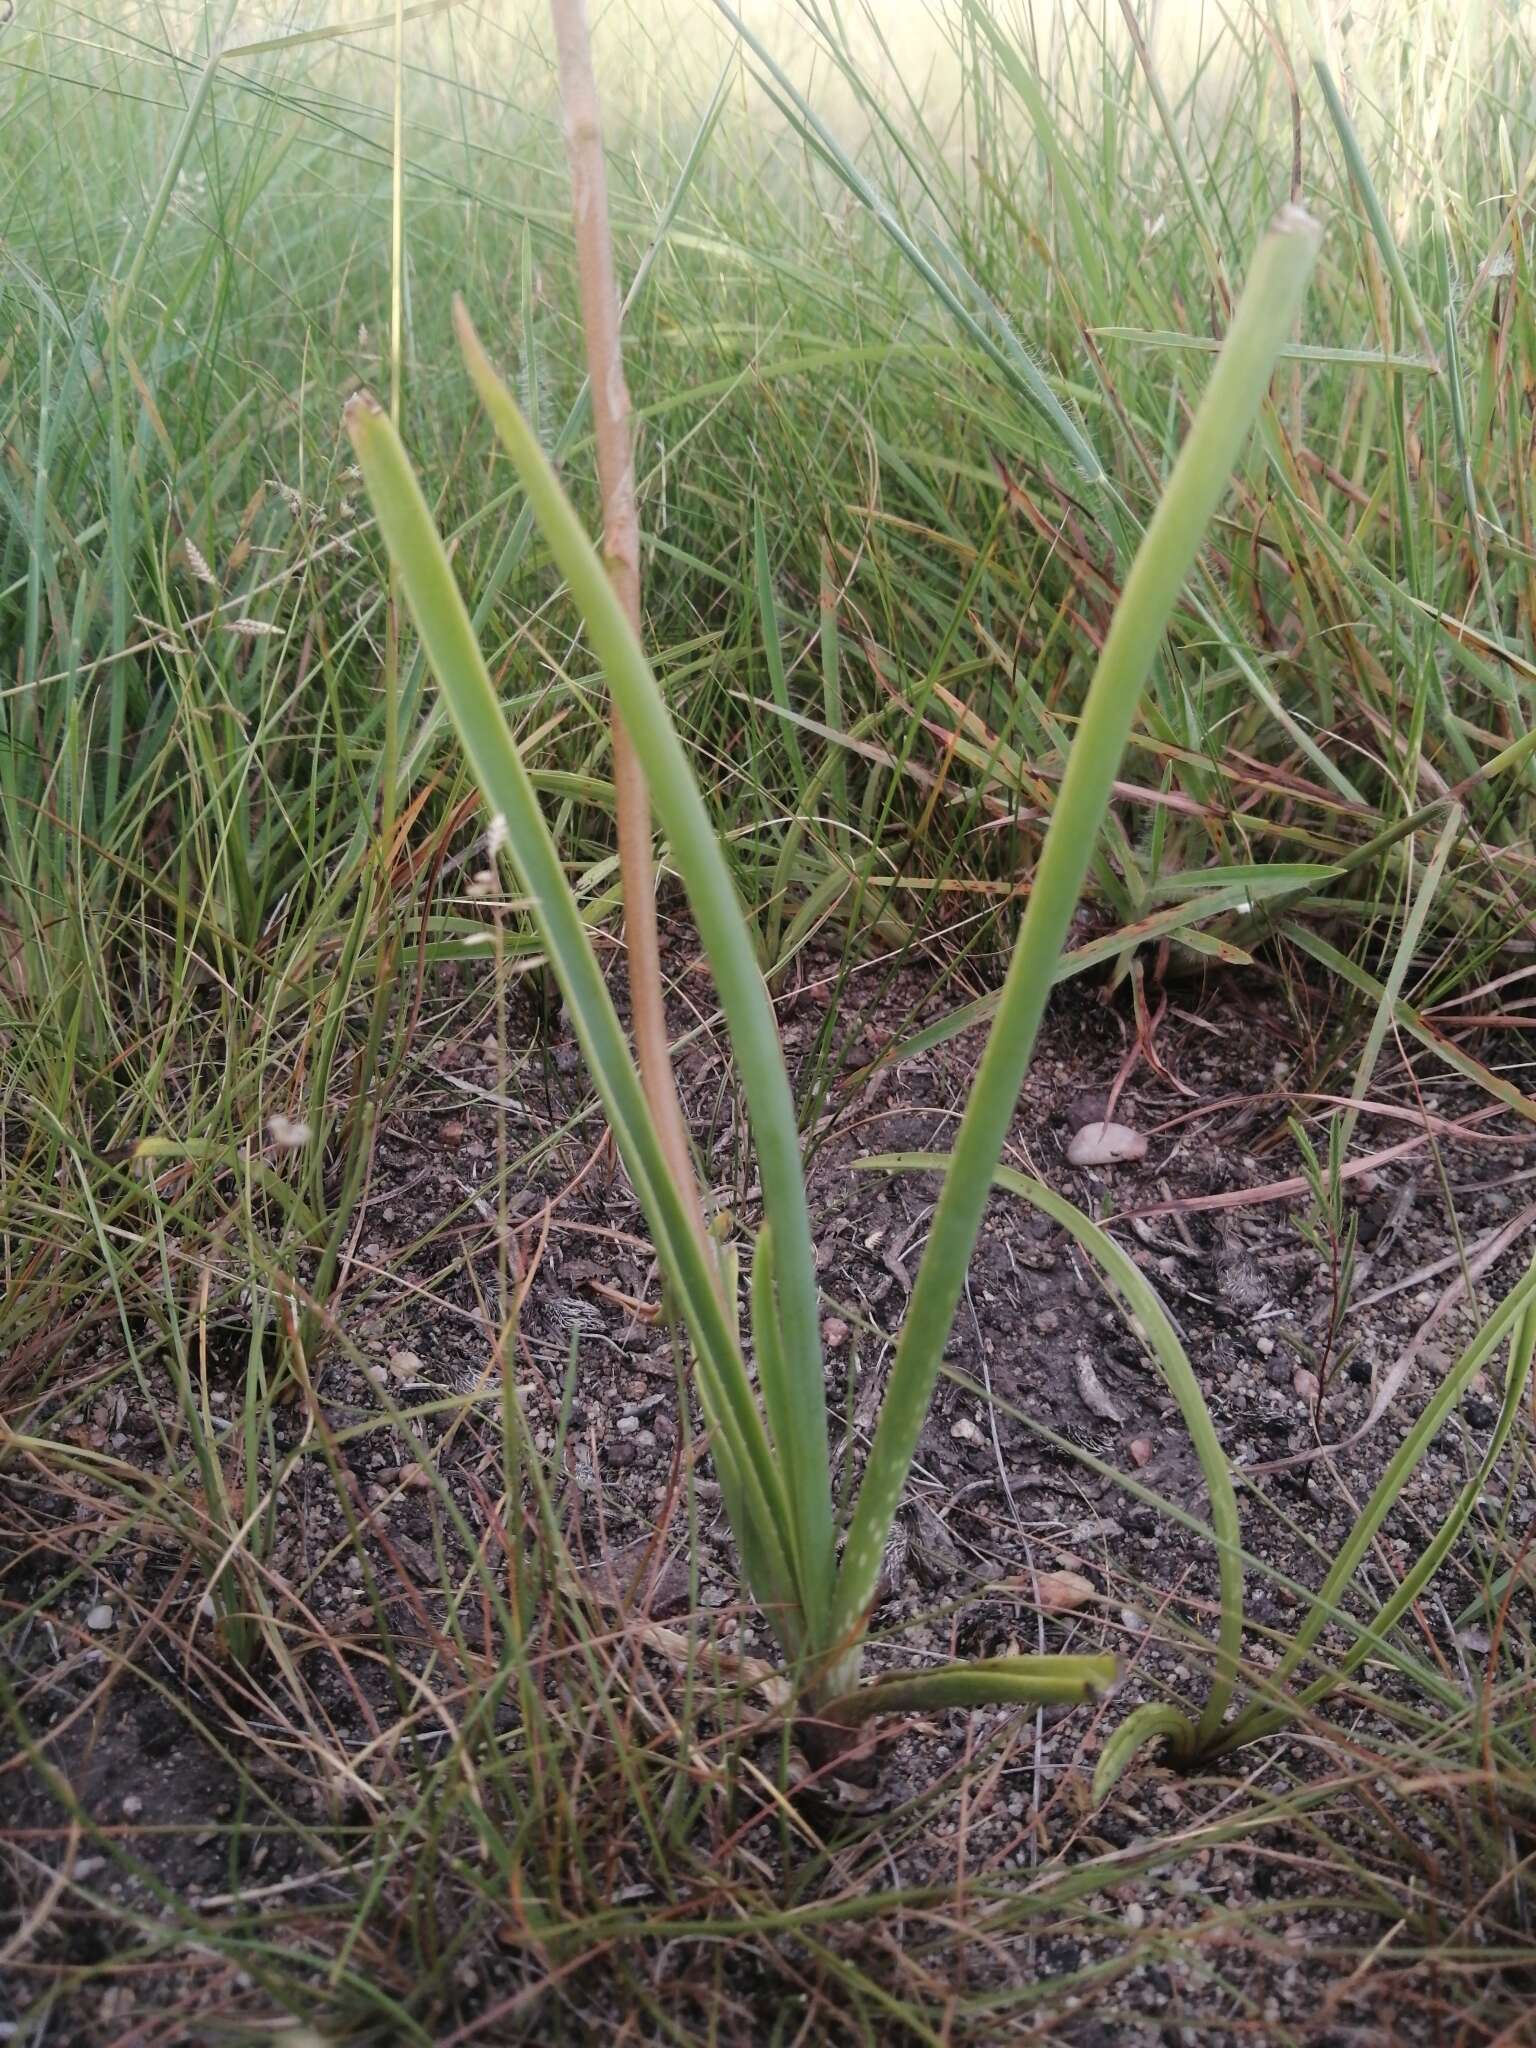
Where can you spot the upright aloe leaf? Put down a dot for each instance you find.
(1260, 325)
(795, 1400)
(761, 1503)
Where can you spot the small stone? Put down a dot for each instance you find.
(1135, 1917)
(133, 1805)
(415, 1479)
(1266, 1346)
(405, 1365)
(1307, 1384)
(834, 1333)
(627, 1425)
(1058, 1592)
(1093, 1394)
(101, 1617)
(1141, 1450)
(1047, 1322)
(1105, 1145)
(964, 1430)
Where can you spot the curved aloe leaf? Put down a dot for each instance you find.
(986, 1681)
(1155, 1723)
(1141, 1299)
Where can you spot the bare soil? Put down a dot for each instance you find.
(211, 1780)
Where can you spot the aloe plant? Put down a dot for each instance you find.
(770, 1450)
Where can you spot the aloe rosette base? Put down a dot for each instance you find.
(769, 1436)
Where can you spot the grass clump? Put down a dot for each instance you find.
(913, 369)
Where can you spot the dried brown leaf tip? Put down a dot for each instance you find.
(361, 405)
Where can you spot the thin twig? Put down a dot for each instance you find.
(621, 553)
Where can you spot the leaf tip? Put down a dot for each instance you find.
(1294, 219)
(470, 344)
(359, 410)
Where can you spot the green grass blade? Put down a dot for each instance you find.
(1516, 1317)
(1408, 1019)
(1370, 199)
(773, 646)
(1019, 372)
(1293, 352)
(1403, 958)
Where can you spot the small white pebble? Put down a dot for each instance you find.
(964, 1430)
(627, 1425)
(133, 1804)
(101, 1617)
(1135, 1917)
(1105, 1144)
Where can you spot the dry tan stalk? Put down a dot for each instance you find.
(621, 553)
